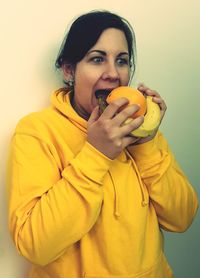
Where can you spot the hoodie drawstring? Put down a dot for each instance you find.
(144, 194)
(116, 198)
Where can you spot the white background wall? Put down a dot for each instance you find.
(168, 54)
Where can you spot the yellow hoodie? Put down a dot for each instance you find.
(75, 213)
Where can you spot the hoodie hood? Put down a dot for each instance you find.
(60, 100)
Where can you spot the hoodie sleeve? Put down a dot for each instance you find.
(50, 209)
(171, 193)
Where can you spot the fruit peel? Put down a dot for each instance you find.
(151, 120)
(133, 95)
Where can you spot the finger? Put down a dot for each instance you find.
(94, 115)
(113, 107)
(160, 102)
(129, 140)
(126, 113)
(131, 125)
(142, 87)
(146, 90)
(150, 92)
(162, 106)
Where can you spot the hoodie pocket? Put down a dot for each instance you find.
(160, 270)
(110, 276)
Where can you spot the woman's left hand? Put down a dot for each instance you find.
(157, 99)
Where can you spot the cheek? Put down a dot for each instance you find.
(125, 77)
(124, 72)
(83, 90)
(128, 73)
(86, 78)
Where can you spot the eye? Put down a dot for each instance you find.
(122, 61)
(97, 59)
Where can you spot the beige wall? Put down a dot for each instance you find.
(168, 46)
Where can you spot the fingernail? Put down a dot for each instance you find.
(123, 100)
(134, 108)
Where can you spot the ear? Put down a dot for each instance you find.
(68, 72)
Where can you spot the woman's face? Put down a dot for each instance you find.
(105, 66)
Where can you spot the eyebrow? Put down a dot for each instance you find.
(104, 53)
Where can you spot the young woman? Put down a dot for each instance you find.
(87, 199)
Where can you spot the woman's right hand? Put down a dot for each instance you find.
(107, 133)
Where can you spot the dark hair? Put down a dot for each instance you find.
(84, 33)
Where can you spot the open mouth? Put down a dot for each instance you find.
(102, 93)
(101, 96)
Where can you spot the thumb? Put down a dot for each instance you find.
(94, 115)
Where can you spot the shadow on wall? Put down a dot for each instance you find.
(182, 248)
(44, 79)
(11, 263)
(47, 73)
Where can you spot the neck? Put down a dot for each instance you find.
(81, 112)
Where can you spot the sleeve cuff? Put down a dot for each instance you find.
(91, 163)
(145, 152)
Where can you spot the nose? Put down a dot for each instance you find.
(110, 72)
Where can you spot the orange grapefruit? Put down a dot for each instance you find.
(133, 95)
